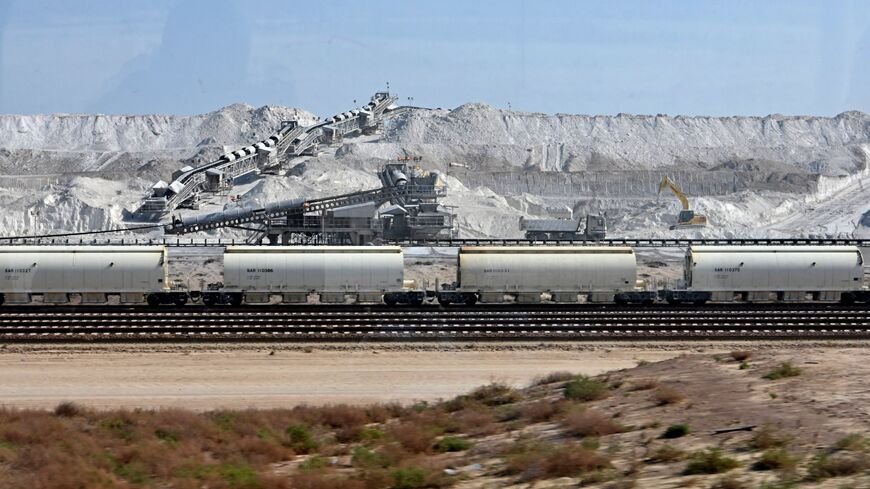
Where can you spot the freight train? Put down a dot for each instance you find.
(375, 274)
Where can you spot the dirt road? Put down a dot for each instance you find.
(202, 377)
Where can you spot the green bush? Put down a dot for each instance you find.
(784, 370)
(583, 388)
(709, 461)
(370, 434)
(452, 444)
(676, 431)
(301, 440)
(408, 478)
(314, 463)
(853, 442)
(364, 458)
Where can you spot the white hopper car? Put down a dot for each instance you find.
(525, 273)
(135, 274)
(256, 274)
(764, 273)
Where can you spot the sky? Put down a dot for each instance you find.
(643, 57)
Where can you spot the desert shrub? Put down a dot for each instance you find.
(506, 414)
(741, 355)
(676, 431)
(591, 423)
(767, 437)
(363, 457)
(408, 478)
(67, 410)
(709, 461)
(370, 434)
(784, 370)
(300, 439)
(666, 454)
(412, 435)
(552, 378)
(452, 444)
(475, 422)
(341, 416)
(495, 394)
(541, 410)
(664, 395)
(119, 426)
(643, 384)
(775, 459)
(533, 461)
(316, 480)
(853, 442)
(584, 388)
(744, 365)
(730, 482)
(826, 465)
(234, 475)
(133, 472)
(567, 461)
(313, 463)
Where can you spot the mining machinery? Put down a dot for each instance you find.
(687, 218)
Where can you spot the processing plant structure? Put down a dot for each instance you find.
(405, 207)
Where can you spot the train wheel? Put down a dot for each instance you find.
(847, 298)
(444, 302)
(416, 301)
(674, 301)
(390, 300)
(180, 300)
(236, 300)
(2, 299)
(471, 300)
(208, 300)
(153, 300)
(700, 302)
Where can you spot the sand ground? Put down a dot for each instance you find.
(238, 376)
(204, 377)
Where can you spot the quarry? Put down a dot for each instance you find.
(773, 176)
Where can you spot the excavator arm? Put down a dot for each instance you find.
(669, 184)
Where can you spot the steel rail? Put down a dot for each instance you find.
(527, 323)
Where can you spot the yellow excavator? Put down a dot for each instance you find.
(687, 217)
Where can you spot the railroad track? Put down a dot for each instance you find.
(431, 323)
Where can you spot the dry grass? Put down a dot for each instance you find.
(842, 464)
(730, 482)
(666, 454)
(591, 423)
(534, 461)
(643, 384)
(665, 394)
(709, 461)
(776, 459)
(768, 437)
(541, 410)
(552, 378)
(413, 435)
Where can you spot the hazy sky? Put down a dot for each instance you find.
(674, 57)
